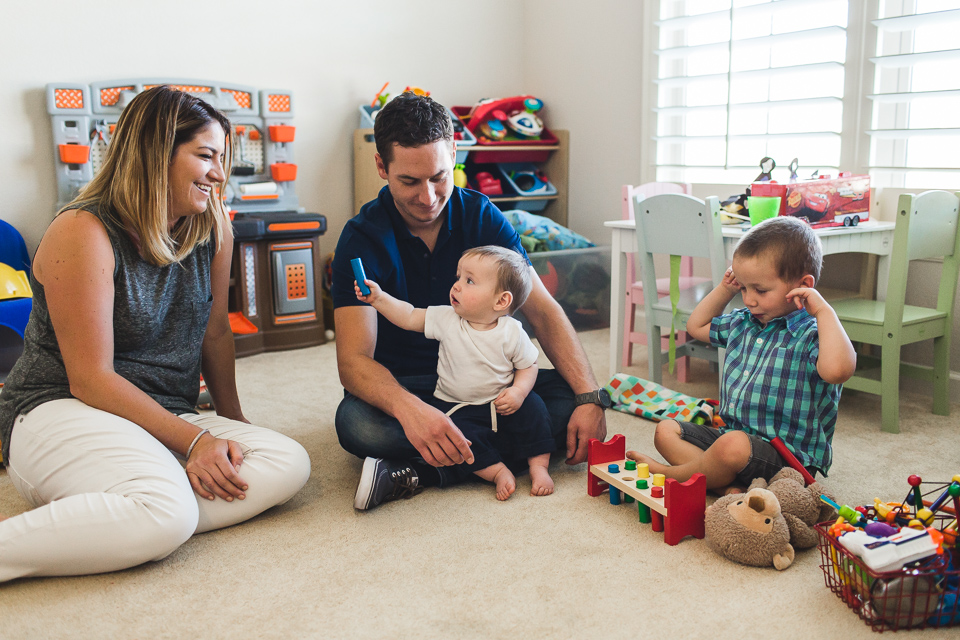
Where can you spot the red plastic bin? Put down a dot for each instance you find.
(532, 154)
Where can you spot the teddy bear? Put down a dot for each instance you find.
(749, 528)
(800, 505)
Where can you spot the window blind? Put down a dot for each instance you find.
(742, 79)
(915, 128)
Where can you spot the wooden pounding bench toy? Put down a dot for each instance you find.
(676, 508)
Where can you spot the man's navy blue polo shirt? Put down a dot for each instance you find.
(403, 266)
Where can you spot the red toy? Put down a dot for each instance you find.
(488, 185)
(824, 202)
(679, 513)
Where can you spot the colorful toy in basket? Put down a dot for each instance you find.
(894, 563)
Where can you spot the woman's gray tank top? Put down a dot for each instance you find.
(159, 319)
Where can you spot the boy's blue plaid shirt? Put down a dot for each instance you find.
(770, 386)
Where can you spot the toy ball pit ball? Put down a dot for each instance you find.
(330, 335)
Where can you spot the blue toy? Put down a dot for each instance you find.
(360, 276)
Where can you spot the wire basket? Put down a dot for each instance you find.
(921, 595)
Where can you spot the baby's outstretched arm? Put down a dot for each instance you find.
(511, 398)
(403, 314)
(837, 360)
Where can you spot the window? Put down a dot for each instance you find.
(915, 131)
(739, 80)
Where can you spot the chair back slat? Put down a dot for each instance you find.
(677, 224)
(934, 220)
(928, 226)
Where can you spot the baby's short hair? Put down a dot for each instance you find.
(790, 242)
(513, 272)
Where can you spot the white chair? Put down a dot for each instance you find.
(634, 291)
(677, 225)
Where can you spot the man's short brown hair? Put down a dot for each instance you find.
(790, 242)
(513, 272)
(410, 120)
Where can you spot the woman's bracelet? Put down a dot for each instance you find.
(195, 441)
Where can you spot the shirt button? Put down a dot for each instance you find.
(730, 406)
(426, 255)
(759, 340)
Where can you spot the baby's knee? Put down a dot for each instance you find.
(733, 449)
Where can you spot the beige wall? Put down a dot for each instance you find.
(586, 60)
(333, 55)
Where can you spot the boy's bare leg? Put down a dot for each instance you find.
(671, 446)
(720, 463)
(539, 474)
(500, 476)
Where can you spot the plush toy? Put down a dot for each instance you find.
(748, 528)
(800, 505)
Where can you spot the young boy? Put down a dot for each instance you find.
(487, 365)
(786, 358)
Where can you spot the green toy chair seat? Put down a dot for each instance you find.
(928, 226)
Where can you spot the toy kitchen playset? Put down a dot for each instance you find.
(276, 270)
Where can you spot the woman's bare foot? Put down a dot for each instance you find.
(506, 483)
(542, 482)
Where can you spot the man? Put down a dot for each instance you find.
(410, 239)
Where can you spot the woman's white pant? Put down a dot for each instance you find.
(108, 495)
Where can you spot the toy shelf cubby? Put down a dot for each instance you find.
(367, 182)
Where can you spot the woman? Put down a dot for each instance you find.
(130, 289)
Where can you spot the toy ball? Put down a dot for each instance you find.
(525, 124)
(329, 334)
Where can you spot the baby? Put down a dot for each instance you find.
(486, 358)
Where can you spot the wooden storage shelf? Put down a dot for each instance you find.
(367, 182)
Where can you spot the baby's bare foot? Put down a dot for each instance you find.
(506, 483)
(726, 491)
(542, 482)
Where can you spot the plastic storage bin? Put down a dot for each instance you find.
(367, 117)
(579, 279)
(522, 179)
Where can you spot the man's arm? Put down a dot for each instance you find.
(561, 345)
(712, 305)
(433, 434)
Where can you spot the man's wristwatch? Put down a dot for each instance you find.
(600, 397)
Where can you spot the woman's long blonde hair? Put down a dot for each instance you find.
(132, 184)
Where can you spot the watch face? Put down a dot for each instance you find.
(604, 398)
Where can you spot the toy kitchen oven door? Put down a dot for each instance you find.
(276, 272)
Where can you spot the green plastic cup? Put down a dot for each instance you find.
(762, 207)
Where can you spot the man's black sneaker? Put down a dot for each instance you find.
(384, 480)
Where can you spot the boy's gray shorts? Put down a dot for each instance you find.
(764, 460)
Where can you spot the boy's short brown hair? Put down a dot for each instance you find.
(513, 272)
(790, 242)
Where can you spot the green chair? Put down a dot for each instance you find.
(928, 226)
